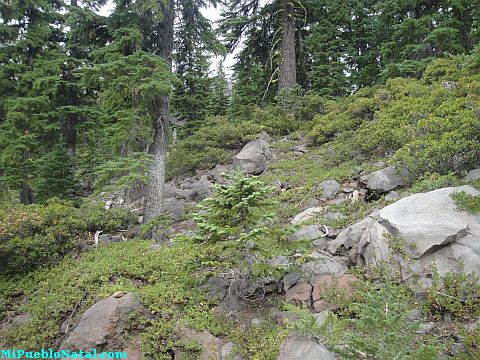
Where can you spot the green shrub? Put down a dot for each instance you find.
(427, 125)
(211, 144)
(432, 181)
(234, 212)
(467, 202)
(40, 235)
(456, 293)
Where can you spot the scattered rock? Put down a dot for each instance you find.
(284, 317)
(457, 349)
(102, 326)
(333, 215)
(415, 314)
(385, 180)
(392, 196)
(254, 157)
(424, 328)
(306, 215)
(299, 294)
(289, 280)
(104, 238)
(216, 288)
(199, 190)
(473, 175)
(324, 264)
(329, 189)
(322, 316)
(211, 345)
(228, 352)
(174, 208)
(296, 347)
(321, 306)
(256, 322)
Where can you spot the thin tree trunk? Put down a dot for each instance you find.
(159, 147)
(26, 194)
(287, 77)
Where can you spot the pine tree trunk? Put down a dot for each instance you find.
(70, 131)
(26, 194)
(287, 77)
(159, 147)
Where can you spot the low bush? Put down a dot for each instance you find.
(428, 125)
(212, 144)
(40, 235)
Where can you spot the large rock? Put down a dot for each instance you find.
(296, 347)
(432, 228)
(254, 157)
(385, 180)
(102, 326)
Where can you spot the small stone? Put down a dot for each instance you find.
(289, 280)
(424, 328)
(322, 316)
(414, 314)
(392, 196)
(283, 317)
(473, 175)
(321, 306)
(457, 349)
(299, 294)
(256, 322)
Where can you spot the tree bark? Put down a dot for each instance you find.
(159, 146)
(70, 130)
(26, 194)
(287, 77)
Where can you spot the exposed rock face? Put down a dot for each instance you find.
(431, 226)
(254, 157)
(385, 180)
(296, 347)
(199, 190)
(102, 326)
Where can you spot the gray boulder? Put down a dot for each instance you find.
(308, 232)
(296, 347)
(325, 264)
(473, 175)
(385, 180)
(254, 157)
(199, 190)
(329, 189)
(433, 229)
(174, 208)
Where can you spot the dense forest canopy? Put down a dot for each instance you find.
(80, 92)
